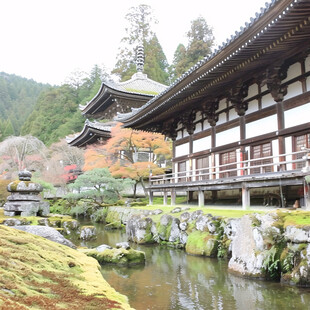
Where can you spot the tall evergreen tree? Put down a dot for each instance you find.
(140, 20)
(200, 42)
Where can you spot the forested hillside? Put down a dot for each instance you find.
(17, 98)
(56, 113)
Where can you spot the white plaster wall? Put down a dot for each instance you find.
(179, 126)
(222, 104)
(293, 90)
(253, 106)
(187, 166)
(267, 101)
(232, 114)
(198, 127)
(275, 152)
(181, 150)
(252, 91)
(308, 83)
(198, 116)
(222, 119)
(202, 144)
(264, 88)
(288, 150)
(179, 135)
(297, 116)
(307, 64)
(176, 167)
(228, 136)
(293, 71)
(185, 133)
(206, 125)
(261, 126)
(217, 163)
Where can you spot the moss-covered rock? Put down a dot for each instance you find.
(88, 233)
(113, 216)
(139, 229)
(201, 243)
(37, 273)
(118, 256)
(114, 225)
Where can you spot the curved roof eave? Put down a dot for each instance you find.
(89, 129)
(209, 65)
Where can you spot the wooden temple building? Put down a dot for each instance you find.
(240, 118)
(113, 98)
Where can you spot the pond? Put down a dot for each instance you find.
(171, 279)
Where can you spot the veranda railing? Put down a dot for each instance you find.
(282, 162)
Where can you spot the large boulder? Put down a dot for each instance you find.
(119, 256)
(88, 233)
(48, 233)
(255, 246)
(139, 229)
(201, 243)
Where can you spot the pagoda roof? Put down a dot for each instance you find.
(92, 132)
(279, 31)
(122, 96)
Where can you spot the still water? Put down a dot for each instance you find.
(173, 280)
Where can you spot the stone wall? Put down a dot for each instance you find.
(256, 245)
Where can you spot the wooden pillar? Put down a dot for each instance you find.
(306, 191)
(280, 115)
(274, 76)
(165, 198)
(213, 144)
(245, 197)
(151, 198)
(173, 197)
(173, 156)
(201, 198)
(242, 137)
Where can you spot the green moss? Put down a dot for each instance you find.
(114, 225)
(112, 216)
(14, 184)
(117, 256)
(164, 230)
(297, 218)
(201, 243)
(39, 273)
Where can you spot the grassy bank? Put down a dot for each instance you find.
(225, 212)
(40, 274)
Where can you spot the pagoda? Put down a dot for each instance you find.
(113, 98)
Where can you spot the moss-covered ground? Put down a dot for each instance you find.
(298, 218)
(36, 273)
(225, 212)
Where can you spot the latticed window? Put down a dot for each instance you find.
(228, 162)
(202, 163)
(261, 151)
(299, 143)
(181, 171)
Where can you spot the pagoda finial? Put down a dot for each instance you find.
(140, 58)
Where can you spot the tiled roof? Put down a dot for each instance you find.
(90, 133)
(140, 83)
(182, 86)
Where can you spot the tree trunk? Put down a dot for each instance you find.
(135, 190)
(144, 189)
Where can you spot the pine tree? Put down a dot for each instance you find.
(200, 42)
(139, 33)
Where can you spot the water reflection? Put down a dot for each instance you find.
(171, 279)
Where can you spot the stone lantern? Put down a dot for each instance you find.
(25, 199)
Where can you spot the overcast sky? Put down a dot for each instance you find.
(47, 40)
